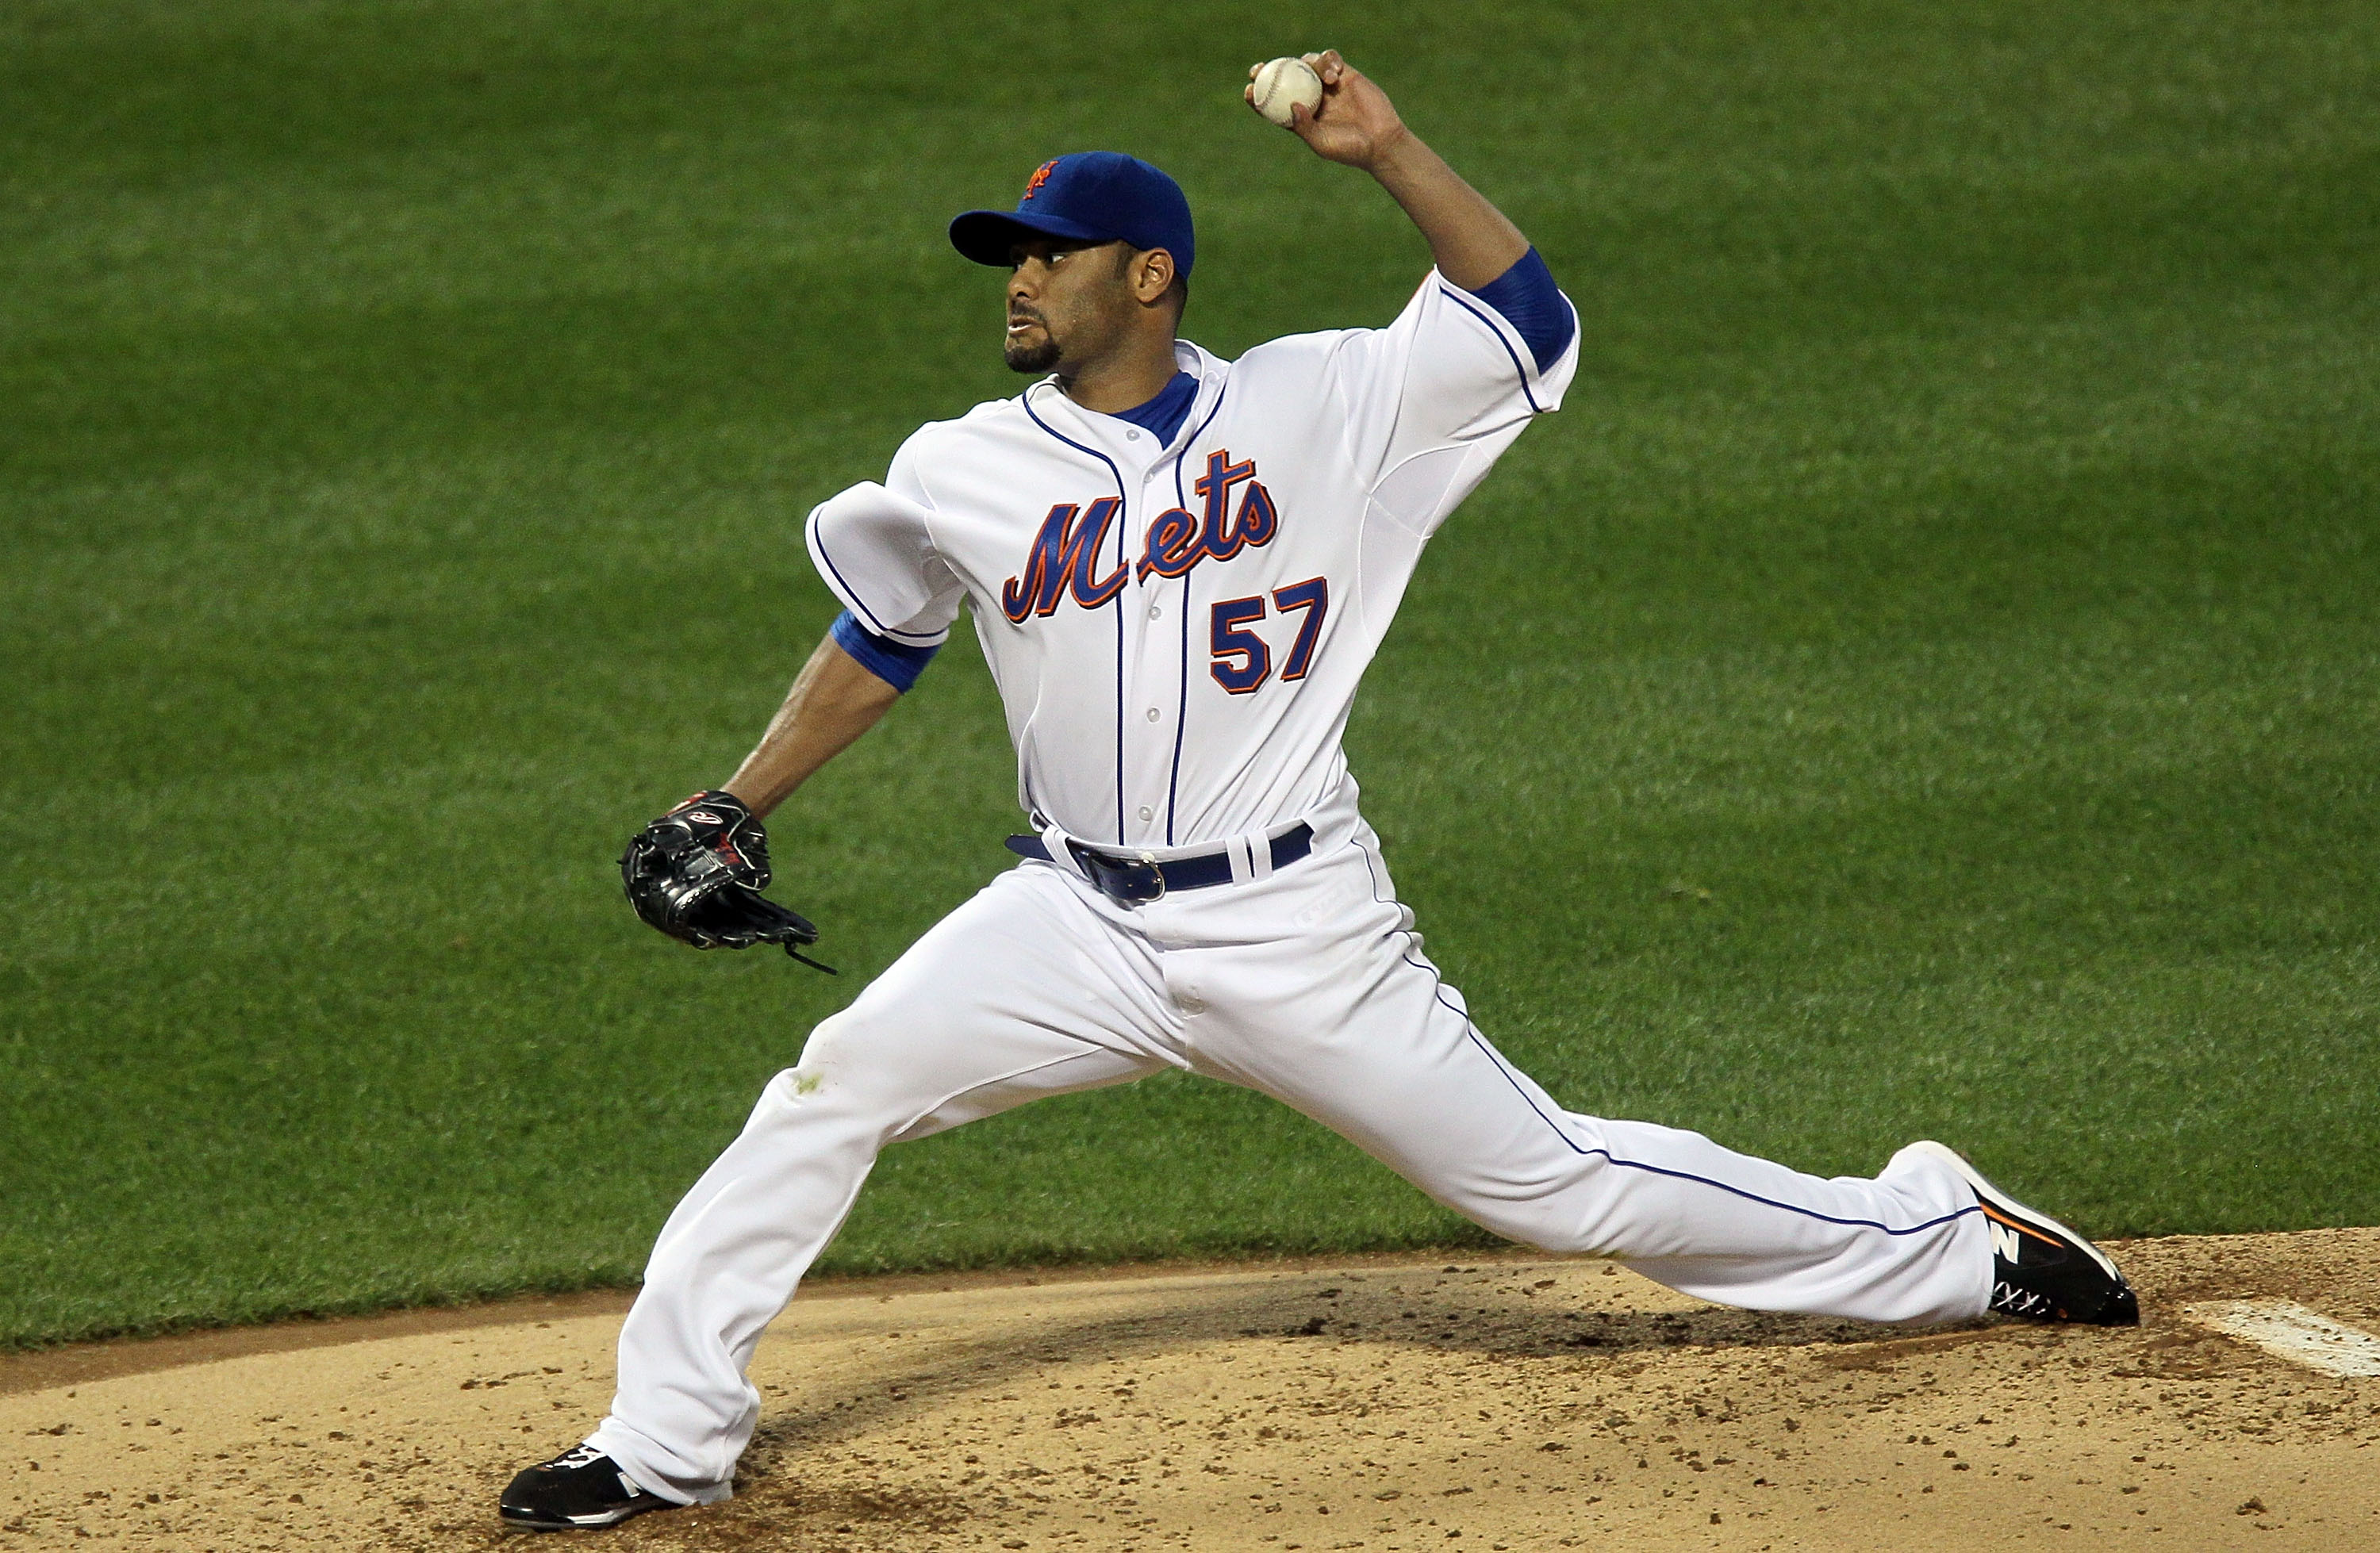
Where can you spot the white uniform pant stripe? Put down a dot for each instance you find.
(1305, 987)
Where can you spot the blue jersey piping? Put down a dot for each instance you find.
(1181, 710)
(1519, 371)
(850, 594)
(1123, 507)
(1530, 301)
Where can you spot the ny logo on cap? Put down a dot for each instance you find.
(1040, 176)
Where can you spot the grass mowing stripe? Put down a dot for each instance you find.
(1917, 687)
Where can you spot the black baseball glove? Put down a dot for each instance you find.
(696, 874)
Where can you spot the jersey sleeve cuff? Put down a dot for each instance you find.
(889, 621)
(1528, 298)
(896, 662)
(1541, 383)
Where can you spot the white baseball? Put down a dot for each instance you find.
(1281, 85)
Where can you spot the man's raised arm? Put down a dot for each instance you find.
(1472, 241)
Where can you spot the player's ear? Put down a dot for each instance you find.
(1151, 275)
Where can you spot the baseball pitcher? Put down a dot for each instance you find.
(1179, 567)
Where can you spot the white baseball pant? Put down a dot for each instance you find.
(1310, 985)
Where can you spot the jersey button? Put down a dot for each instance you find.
(1132, 436)
(1154, 611)
(1152, 714)
(1147, 813)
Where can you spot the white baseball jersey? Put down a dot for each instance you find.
(1177, 631)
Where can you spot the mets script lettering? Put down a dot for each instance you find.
(1064, 558)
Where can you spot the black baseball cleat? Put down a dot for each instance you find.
(2041, 1269)
(577, 1491)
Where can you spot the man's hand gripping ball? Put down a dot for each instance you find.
(696, 874)
(1352, 121)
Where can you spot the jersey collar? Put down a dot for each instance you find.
(1107, 432)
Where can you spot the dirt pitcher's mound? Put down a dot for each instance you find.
(1363, 1403)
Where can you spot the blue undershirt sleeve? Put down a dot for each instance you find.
(1534, 306)
(896, 663)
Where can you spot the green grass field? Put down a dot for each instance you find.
(1923, 683)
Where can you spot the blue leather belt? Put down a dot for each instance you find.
(1131, 879)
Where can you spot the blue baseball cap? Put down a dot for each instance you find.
(1088, 197)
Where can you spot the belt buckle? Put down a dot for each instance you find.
(1135, 881)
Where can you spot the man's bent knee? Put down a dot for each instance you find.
(840, 1073)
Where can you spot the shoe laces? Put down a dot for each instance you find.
(2006, 1296)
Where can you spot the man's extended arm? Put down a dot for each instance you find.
(835, 700)
(1471, 240)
